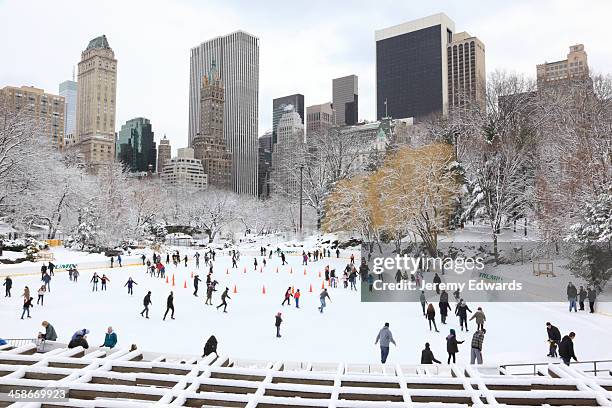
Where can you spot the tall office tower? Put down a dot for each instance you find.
(164, 153)
(286, 153)
(319, 119)
(345, 100)
(209, 145)
(45, 110)
(265, 163)
(96, 96)
(574, 68)
(237, 59)
(184, 171)
(68, 89)
(279, 106)
(466, 70)
(411, 68)
(135, 146)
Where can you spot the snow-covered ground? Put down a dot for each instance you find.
(345, 332)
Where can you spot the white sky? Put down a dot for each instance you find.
(303, 45)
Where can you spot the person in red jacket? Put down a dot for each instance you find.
(297, 298)
(287, 297)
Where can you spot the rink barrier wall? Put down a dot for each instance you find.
(103, 377)
(33, 268)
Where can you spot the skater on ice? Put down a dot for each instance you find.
(385, 337)
(427, 356)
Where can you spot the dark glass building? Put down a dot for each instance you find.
(411, 68)
(135, 146)
(278, 108)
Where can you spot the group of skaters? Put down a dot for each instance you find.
(564, 345)
(579, 296)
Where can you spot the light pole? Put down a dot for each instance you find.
(301, 190)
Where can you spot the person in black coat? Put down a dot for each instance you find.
(566, 348)
(169, 306)
(592, 295)
(210, 346)
(196, 281)
(452, 345)
(437, 281)
(582, 295)
(461, 310)
(554, 337)
(427, 356)
(8, 284)
(146, 302)
(277, 322)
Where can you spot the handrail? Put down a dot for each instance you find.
(536, 365)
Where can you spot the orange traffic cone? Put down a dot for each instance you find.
(263, 291)
(185, 285)
(235, 289)
(319, 274)
(261, 269)
(310, 288)
(226, 271)
(192, 274)
(277, 269)
(172, 279)
(323, 285)
(292, 291)
(290, 270)
(304, 271)
(166, 278)
(245, 269)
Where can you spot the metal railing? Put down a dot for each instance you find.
(604, 366)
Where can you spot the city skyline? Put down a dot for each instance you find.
(300, 60)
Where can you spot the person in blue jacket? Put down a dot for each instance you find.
(110, 339)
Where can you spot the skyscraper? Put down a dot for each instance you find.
(319, 118)
(279, 106)
(286, 153)
(45, 110)
(135, 146)
(185, 171)
(209, 145)
(411, 68)
(96, 97)
(575, 67)
(466, 70)
(164, 153)
(68, 89)
(345, 100)
(237, 58)
(265, 163)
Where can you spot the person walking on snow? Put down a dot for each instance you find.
(385, 337)
(283, 258)
(423, 302)
(337, 253)
(566, 348)
(104, 279)
(146, 302)
(427, 356)
(8, 284)
(582, 295)
(452, 346)
(130, 283)
(185, 259)
(480, 318)
(437, 281)
(41, 296)
(431, 316)
(51, 268)
(27, 304)
(297, 299)
(592, 295)
(112, 261)
(477, 339)
(119, 260)
(47, 280)
(287, 297)
(196, 282)
(255, 264)
(94, 280)
(224, 296)
(572, 293)
(461, 310)
(444, 306)
(277, 323)
(322, 298)
(169, 306)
